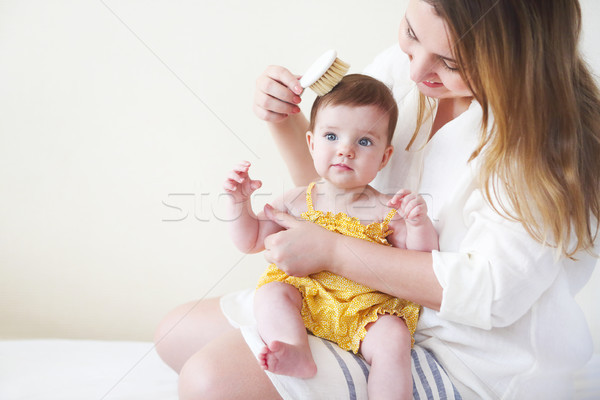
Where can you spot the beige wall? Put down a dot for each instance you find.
(119, 121)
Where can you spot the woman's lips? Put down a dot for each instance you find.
(432, 84)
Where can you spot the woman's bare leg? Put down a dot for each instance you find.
(386, 348)
(225, 369)
(187, 329)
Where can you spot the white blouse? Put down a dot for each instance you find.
(508, 326)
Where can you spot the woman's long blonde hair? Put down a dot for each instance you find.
(542, 150)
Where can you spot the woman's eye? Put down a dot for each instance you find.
(410, 34)
(365, 142)
(450, 67)
(330, 136)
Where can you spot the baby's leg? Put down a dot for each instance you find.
(277, 308)
(386, 348)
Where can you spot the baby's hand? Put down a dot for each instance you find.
(410, 206)
(239, 184)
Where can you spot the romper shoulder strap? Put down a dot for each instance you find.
(309, 202)
(389, 216)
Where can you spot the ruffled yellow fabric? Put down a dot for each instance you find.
(336, 308)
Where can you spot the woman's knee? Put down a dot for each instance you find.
(199, 379)
(187, 328)
(166, 339)
(225, 369)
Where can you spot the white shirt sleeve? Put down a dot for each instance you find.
(498, 272)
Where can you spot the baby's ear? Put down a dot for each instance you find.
(310, 141)
(387, 154)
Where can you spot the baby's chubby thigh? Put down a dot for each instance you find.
(277, 309)
(388, 338)
(273, 296)
(387, 348)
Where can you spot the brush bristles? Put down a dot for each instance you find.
(330, 78)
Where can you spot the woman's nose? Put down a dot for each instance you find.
(421, 67)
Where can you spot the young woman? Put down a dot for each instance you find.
(507, 122)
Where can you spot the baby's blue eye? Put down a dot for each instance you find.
(365, 142)
(330, 136)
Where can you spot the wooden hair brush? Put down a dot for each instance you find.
(326, 72)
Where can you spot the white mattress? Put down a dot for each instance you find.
(103, 370)
(82, 370)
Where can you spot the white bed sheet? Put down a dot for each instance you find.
(54, 369)
(83, 370)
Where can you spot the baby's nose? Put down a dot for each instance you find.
(346, 150)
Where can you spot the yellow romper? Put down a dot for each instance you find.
(336, 308)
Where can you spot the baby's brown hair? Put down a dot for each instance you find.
(359, 90)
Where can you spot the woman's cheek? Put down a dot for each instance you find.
(456, 84)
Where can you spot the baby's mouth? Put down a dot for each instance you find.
(342, 166)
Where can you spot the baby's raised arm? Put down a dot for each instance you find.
(247, 230)
(420, 233)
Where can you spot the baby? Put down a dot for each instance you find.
(349, 139)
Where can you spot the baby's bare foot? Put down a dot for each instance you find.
(287, 359)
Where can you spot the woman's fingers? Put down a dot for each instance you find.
(281, 218)
(271, 104)
(277, 94)
(302, 248)
(278, 90)
(285, 77)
